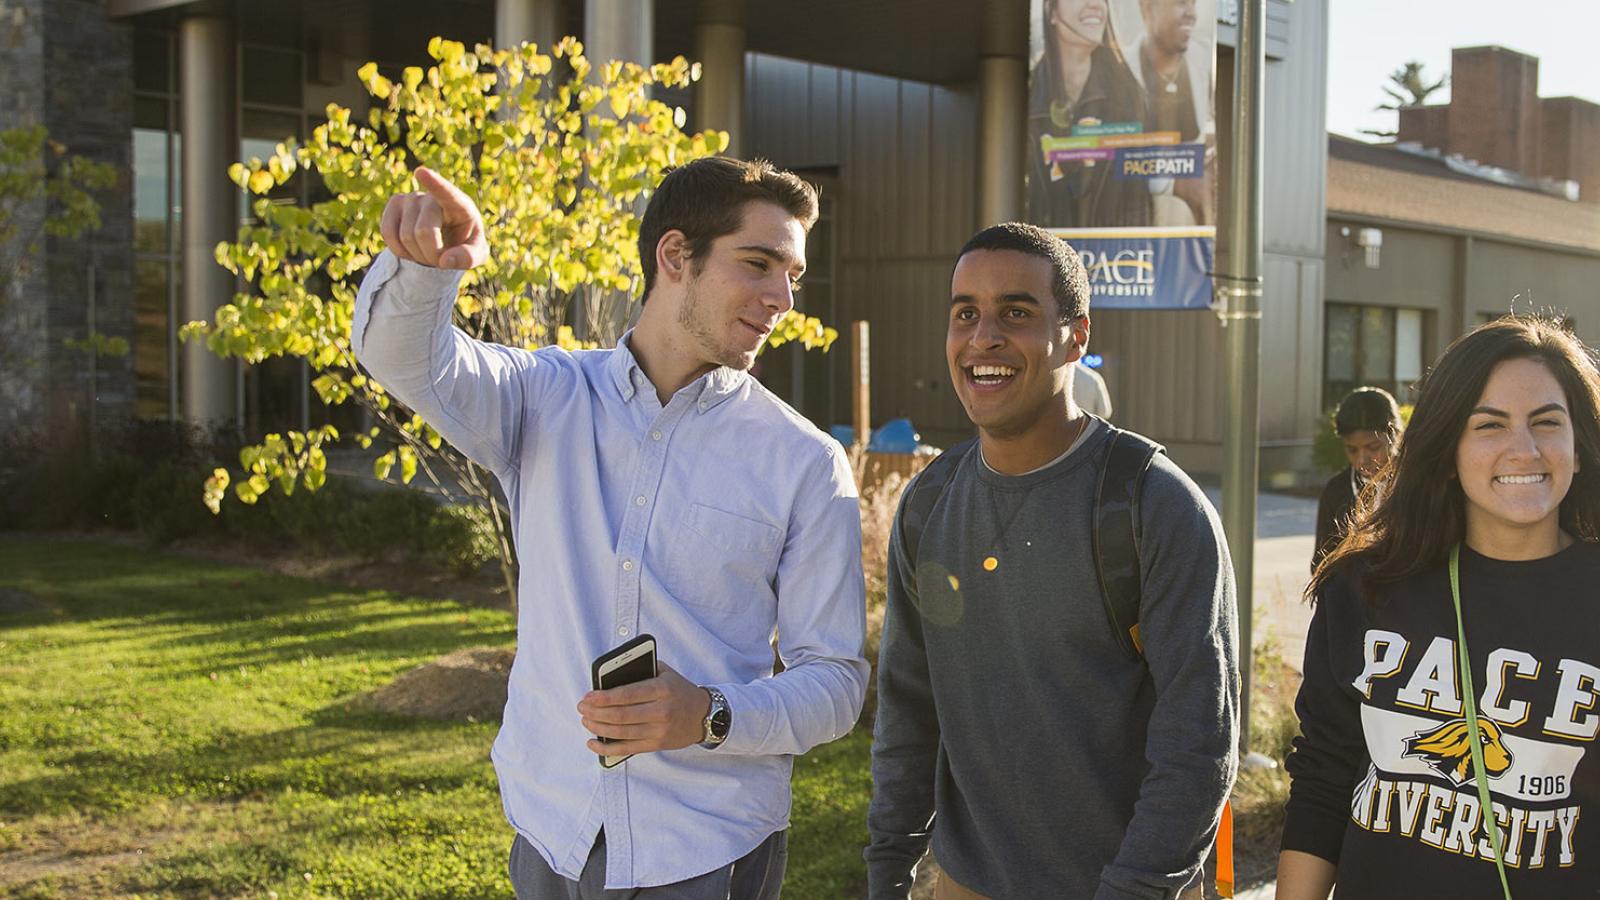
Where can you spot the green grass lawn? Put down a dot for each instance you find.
(177, 728)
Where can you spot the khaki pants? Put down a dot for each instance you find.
(946, 888)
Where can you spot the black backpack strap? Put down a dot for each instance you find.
(924, 494)
(1116, 533)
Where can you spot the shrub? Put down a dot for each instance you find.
(461, 538)
(386, 522)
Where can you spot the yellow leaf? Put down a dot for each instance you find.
(412, 77)
(408, 465)
(260, 181)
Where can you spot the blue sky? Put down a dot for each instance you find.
(1368, 39)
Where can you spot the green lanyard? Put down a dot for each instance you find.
(1475, 741)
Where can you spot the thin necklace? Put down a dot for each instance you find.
(992, 561)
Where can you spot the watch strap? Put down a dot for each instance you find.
(718, 721)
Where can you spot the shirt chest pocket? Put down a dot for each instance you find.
(719, 559)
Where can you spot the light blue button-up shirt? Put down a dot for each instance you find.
(709, 522)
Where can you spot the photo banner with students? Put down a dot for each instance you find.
(1122, 144)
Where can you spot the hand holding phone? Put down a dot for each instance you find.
(632, 662)
(629, 716)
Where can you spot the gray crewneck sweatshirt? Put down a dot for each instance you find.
(1013, 729)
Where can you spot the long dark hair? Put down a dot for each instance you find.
(1414, 511)
(1124, 90)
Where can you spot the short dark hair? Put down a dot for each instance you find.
(1069, 283)
(705, 200)
(1367, 409)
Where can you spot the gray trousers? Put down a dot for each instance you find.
(758, 875)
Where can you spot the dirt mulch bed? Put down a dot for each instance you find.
(467, 684)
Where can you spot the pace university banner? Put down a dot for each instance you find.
(1122, 144)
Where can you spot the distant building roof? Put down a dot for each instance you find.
(1386, 182)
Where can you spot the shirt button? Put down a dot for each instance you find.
(655, 435)
(627, 565)
(622, 630)
(639, 500)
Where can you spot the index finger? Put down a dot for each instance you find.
(452, 201)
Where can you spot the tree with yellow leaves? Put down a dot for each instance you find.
(558, 158)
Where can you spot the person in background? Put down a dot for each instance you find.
(1496, 489)
(1368, 424)
(1089, 391)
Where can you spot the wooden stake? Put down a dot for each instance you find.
(861, 382)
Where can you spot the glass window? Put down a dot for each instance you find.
(1342, 335)
(261, 133)
(150, 190)
(1371, 345)
(1408, 346)
(1377, 345)
(151, 329)
(272, 76)
(152, 61)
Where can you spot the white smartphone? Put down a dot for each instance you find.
(633, 661)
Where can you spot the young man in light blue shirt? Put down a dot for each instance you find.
(654, 488)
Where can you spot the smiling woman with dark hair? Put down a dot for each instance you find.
(1453, 662)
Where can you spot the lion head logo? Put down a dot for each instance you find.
(1446, 750)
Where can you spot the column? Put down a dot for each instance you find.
(210, 207)
(539, 21)
(619, 29)
(1002, 111)
(719, 48)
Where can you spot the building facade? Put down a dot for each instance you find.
(909, 115)
(1484, 206)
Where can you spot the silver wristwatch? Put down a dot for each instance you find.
(718, 721)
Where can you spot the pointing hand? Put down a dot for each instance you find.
(439, 226)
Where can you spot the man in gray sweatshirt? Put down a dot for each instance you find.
(1014, 730)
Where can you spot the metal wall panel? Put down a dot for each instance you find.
(1296, 160)
(1510, 278)
(1415, 269)
(905, 156)
(906, 162)
(1280, 36)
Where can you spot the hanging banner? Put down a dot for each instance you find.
(1122, 144)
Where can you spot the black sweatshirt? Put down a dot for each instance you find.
(1333, 514)
(1382, 778)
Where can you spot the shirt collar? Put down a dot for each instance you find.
(708, 390)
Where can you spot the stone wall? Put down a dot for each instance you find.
(22, 295)
(71, 69)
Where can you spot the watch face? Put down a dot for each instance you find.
(720, 720)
